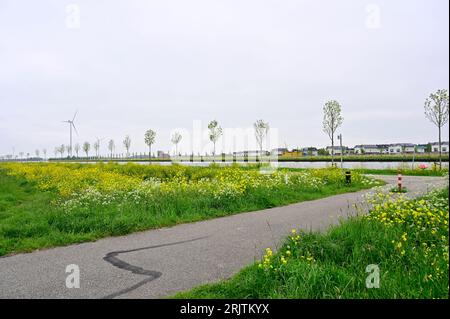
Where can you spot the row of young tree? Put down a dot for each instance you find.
(215, 131)
(37, 154)
(436, 110)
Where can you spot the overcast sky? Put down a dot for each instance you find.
(130, 65)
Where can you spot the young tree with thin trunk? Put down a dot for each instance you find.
(62, 149)
(127, 144)
(37, 153)
(149, 139)
(215, 131)
(44, 151)
(68, 150)
(86, 148)
(111, 147)
(436, 110)
(77, 148)
(97, 148)
(332, 119)
(176, 138)
(261, 131)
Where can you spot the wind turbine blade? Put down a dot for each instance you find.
(74, 115)
(74, 128)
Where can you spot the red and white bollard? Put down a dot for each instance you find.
(399, 182)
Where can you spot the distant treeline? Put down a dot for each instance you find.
(230, 158)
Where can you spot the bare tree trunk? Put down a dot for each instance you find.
(258, 157)
(149, 153)
(332, 150)
(440, 150)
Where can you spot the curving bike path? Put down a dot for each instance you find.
(157, 263)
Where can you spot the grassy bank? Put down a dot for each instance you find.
(229, 158)
(45, 205)
(403, 171)
(406, 239)
(368, 158)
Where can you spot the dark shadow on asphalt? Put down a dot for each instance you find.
(152, 274)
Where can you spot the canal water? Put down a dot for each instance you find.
(351, 165)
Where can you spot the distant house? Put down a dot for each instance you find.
(250, 153)
(309, 151)
(444, 147)
(279, 151)
(384, 148)
(400, 148)
(337, 150)
(162, 154)
(421, 148)
(293, 153)
(370, 149)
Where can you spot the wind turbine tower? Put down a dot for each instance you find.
(71, 124)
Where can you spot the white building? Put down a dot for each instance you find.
(401, 148)
(421, 148)
(444, 147)
(309, 151)
(371, 149)
(337, 150)
(162, 154)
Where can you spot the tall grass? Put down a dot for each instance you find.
(45, 205)
(406, 239)
(404, 171)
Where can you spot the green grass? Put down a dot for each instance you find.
(31, 219)
(386, 171)
(320, 158)
(368, 158)
(403, 171)
(339, 270)
(398, 191)
(21, 210)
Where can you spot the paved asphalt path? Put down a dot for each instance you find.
(157, 263)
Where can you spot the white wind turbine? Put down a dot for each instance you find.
(72, 124)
